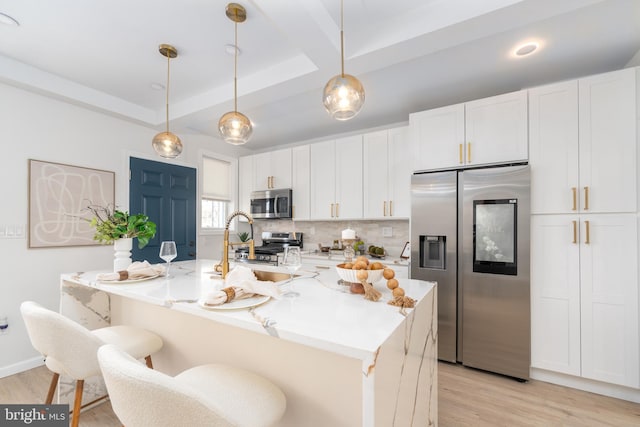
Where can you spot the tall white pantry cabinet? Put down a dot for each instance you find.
(584, 228)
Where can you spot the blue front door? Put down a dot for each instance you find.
(167, 195)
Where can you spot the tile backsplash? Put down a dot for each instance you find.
(325, 232)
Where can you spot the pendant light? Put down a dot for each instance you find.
(235, 127)
(343, 95)
(167, 144)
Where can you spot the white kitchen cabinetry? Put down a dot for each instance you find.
(300, 181)
(584, 228)
(583, 145)
(245, 183)
(438, 138)
(336, 179)
(272, 170)
(584, 315)
(496, 129)
(485, 131)
(387, 180)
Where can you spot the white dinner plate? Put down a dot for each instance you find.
(126, 281)
(237, 304)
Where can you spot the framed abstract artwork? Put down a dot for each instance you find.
(58, 196)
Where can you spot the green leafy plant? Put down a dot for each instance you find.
(112, 224)
(243, 236)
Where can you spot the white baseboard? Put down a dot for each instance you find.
(592, 386)
(25, 365)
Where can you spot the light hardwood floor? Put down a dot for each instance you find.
(467, 397)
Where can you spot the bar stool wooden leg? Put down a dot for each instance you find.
(147, 359)
(75, 420)
(52, 388)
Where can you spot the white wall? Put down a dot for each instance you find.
(37, 127)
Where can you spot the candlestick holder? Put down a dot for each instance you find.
(349, 252)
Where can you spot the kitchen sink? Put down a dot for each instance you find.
(273, 276)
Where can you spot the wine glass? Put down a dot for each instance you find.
(292, 262)
(168, 252)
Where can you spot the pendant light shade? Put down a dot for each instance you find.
(343, 95)
(167, 144)
(234, 127)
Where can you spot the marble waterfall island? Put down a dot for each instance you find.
(341, 360)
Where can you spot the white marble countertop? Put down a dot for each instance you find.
(324, 316)
(338, 257)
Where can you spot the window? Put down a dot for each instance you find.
(217, 190)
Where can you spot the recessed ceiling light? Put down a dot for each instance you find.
(526, 49)
(157, 86)
(8, 20)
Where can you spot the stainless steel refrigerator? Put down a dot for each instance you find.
(470, 233)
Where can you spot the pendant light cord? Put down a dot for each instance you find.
(235, 70)
(342, 37)
(168, 79)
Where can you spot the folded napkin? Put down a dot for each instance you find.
(137, 270)
(240, 283)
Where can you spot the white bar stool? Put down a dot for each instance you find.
(207, 395)
(71, 349)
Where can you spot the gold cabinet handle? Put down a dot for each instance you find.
(331, 210)
(587, 240)
(293, 212)
(384, 208)
(337, 210)
(575, 232)
(468, 152)
(390, 207)
(460, 153)
(574, 190)
(586, 198)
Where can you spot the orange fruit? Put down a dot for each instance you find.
(359, 265)
(392, 283)
(363, 259)
(377, 266)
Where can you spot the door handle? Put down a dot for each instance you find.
(337, 210)
(575, 232)
(574, 190)
(587, 240)
(192, 254)
(586, 198)
(468, 152)
(384, 208)
(460, 153)
(390, 207)
(331, 210)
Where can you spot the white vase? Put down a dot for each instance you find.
(122, 248)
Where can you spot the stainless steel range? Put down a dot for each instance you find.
(271, 247)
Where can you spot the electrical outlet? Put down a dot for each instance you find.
(387, 232)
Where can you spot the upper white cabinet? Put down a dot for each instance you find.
(438, 138)
(496, 129)
(300, 182)
(387, 179)
(583, 145)
(272, 170)
(336, 179)
(486, 131)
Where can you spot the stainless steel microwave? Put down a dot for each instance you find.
(271, 203)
